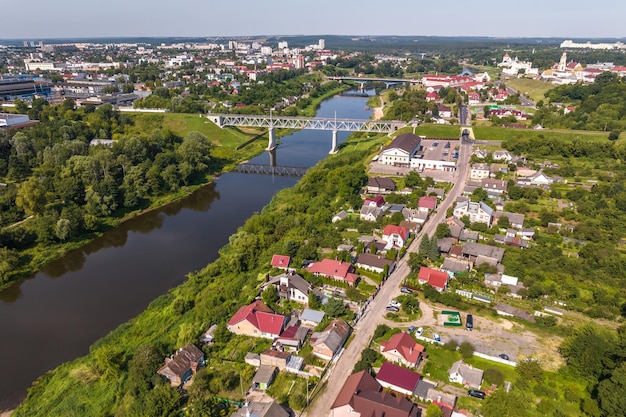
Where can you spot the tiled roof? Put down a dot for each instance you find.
(405, 345)
(280, 261)
(398, 376)
(435, 278)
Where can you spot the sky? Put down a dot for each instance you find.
(36, 19)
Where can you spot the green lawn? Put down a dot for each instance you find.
(438, 362)
(535, 89)
(501, 134)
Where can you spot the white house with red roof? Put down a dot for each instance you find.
(499, 95)
(280, 261)
(473, 98)
(377, 201)
(403, 349)
(397, 378)
(436, 279)
(395, 235)
(427, 203)
(431, 96)
(257, 320)
(337, 270)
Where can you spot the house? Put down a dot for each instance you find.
(536, 179)
(207, 337)
(516, 220)
(374, 263)
(275, 358)
(494, 187)
(479, 171)
(328, 342)
(380, 185)
(422, 389)
(290, 286)
(293, 337)
(480, 153)
(400, 151)
(280, 261)
(427, 203)
(473, 98)
(442, 399)
(477, 212)
(395, 235)
(370, 214)
(257, 320)
(439, 192)
(436, 279)
(455, 266)
(445, 112)
(415, 216)
(377, 201)
(337, 270)
(403, 349)
(432, 96)
(397, 378)
(182, 365)
(264, 377)
(480, 253)
(468, 236)
(510, 311)
(342, 215)
(261, 409)
(311, 318)
(363, 396)
(465, 374)
(527, 233)
(455, 225)
(502, 156)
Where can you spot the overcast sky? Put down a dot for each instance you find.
(34, 19)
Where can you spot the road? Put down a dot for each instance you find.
(375, 312)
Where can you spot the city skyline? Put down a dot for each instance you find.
(190, 18)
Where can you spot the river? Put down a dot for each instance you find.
(56, 314)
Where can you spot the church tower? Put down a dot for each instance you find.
(563, 62)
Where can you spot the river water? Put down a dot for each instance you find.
(55, 315)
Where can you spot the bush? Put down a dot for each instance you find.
(493, 376)
(466, 349)
(451, 345)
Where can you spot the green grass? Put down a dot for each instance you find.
(438, 362)
(438, 131)
(535, 89)
(501, 134)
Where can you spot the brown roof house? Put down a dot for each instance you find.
(182, 365)
(261, 409)
(402, 348)
(327, 343)
(361, 395)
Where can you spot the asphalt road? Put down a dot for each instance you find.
(375, 312)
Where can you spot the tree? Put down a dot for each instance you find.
(334, 307)
(270, 296)
(31, 196)
(443, 230)
(434, 410)
(494, 376)
(413, 179)
(614, 135)
(314, 301)
(504, 222)
(529, 371)
(466, 349)
(612, 393)
(503, 404)
(195, 150)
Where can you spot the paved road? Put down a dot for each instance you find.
(375, 312)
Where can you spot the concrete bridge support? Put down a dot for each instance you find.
(272, 142)
(272, 153)
(333, 148)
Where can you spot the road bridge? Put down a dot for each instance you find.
(388, 81)
(334, 125)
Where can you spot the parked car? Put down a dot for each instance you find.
(476, 394)
(469, 322)
(405, 290)
(436, 337)
(504, 356)
(419, 331)
(395, 303)
(411, 329)
(393, 309)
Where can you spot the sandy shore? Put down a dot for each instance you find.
(6, 413)
(378, 114)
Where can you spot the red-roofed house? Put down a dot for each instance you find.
(257, 320)
(397, 378)
(431, 96)
(396, 235)
(280, 261)
(436, 279)
(402, 348)
(338, 270)
(377, 201)
(427, 203)
(473, 98)
(363, 396)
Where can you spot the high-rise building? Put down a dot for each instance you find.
(321, 44)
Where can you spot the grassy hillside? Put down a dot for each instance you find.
(534, 89)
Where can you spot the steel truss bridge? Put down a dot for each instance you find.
(273, 170)
(313, 123)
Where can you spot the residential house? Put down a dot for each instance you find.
(403, 349)
(207, 337)
(415, 215)
(275, 358)
(510, 311)
(527, 233)
(182, 365)
(342, 215)
(479, 171)
(374, 263)
(432, 96)
(494, 168)
(538, 179)
(477, 212)
(397, 378)
(474, 98)
(257, 320)
(456, 226)
(328, 342)
(436, 279)
(439, 192)
(516, 220)
(395, 235)
(445, 112)
(442, 399)
(455, 266)
(423, 386)
(511, 240)
(363, 396)
(400, 151)
(290, 286)
(445, 244)
(264, 377)
(380, 185)
(494, 187)
(427, 203)
(377, 201)
(261, 409)
(370, 214)
(311, 318)
(480, 153)
(280, 261)
(480, 253)
(337, 270)
(502, 156)
(465, 374)
(293, 337)
(468, 236)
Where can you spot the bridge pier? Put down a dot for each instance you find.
(333, 148)
(272, 153)
(272, 142)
